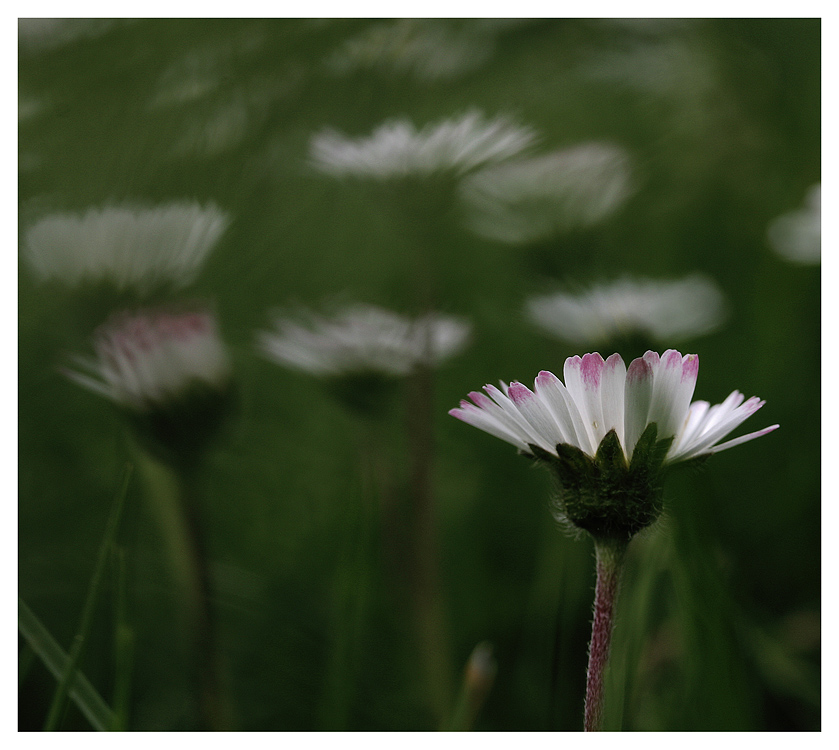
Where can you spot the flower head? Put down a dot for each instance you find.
(129, 246)
(660, 309)
(169, 371)
(610, 430)
(363, 339)
(147, 359)
(599, 396)
(427, 48)
(396, 149)
(526, 200)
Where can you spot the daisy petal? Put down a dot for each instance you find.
(637, 395)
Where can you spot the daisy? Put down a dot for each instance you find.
(526, 200)
(607, 433)
(599, 397)
(396, 149)
(797, 236)
(363, 339)
(128, 246)
(148, 360)
(663, 310)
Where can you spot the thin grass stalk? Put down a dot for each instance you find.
(59, 700)
(123, 646)
(90, 703)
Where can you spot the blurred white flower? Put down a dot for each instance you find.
(149, 360)
(663, 66)
(600, 396)
(36, 34)
(363, 339)
(530, 199)
(428, 48)
(797, 235)
(129, 246)
(397, 149)
(674, 310)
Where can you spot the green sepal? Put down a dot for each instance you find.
(605, 495)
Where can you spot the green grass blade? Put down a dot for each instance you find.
(60, 698)
(95, 709)
(123, 646)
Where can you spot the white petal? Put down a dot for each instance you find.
(732, 419)
(666, 394)
(508, 413)
(555, 395)
(612, 394)
(582, 378)
(637, 395)
(693, 425)
(544, 426)
(743, 439)
(488, 423)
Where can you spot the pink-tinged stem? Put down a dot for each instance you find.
(610, 555)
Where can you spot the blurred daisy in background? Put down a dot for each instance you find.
(171, 374)
(797, 236)
(45, 34)
(129, 246)
(363, 339)
(147, 359)
(661, 310)
(532, 199)
(396, 149)
(362, 351)
(429, 49)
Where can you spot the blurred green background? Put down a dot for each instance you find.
(718, 622)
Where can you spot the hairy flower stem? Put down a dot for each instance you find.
(609, 555)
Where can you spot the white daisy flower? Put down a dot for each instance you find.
(149, 360)
(129, 246)
(797, 236)
(600, 396)
(363, 339)
(663, 310)
(530, 199)
(396, 149)
(429, 49)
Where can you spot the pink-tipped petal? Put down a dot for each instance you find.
(637, 395)
(668, 408)
(519, 393)
(591, 368)
(612, 394)
(555, 395)
(544, 428)
(582, 379)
